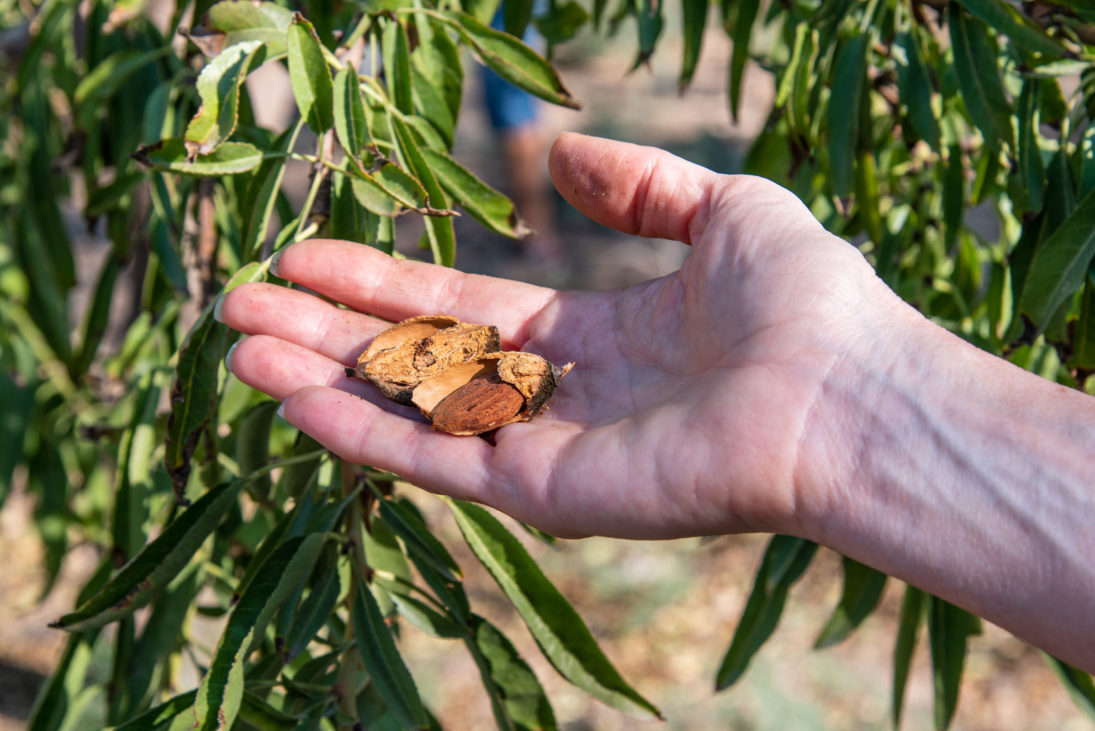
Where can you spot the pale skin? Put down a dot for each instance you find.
(774, 384)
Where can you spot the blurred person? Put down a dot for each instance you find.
(774, 383)
(514, 117)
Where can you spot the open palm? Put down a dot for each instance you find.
(691, 395)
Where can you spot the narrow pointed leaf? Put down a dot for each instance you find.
(98, 315)
(559, 630)
(383, 662)
(848, 92)
(949, 630)
(1005, 20)
(516, 694)
(385, 189)
(1032, 169)
(310, 76)
(1083, 341)
(484, 203)
(862, 591)
(427, 619)
(915, 89)
(788, 558)
(262, 194)
(1060, 264)
(349, 111)
(218, 88)
(954, 195)
(419, 541)
(438, 229)
(979, 77)
(314, 611)
(912, 616)
(221, 691)
(193, 396)
(397, 66)
(694, 19)
(230, 158)
(432, 106)
(511, 59)
(163, 716)
(562, 22)
(141, 580)
(742, 33)
(650, 15)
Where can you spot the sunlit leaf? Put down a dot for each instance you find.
(349, 113)
(516, 694)
(862, 591)
(383, 662)
(310, 76)
(141, 580)
(171, 155)
(784, 562)
(949, 630)
(979, 77)
(560, 632)
(219, 87)
(485, 204)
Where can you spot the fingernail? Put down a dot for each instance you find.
(274, 261)
(281, 410)
(217, 308)
(228, 355)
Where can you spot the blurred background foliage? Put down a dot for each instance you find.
(951, 141)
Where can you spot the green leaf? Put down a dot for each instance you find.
(382, 660)
(102, 82)
(314, 611)
(1032, 169)
(231, 22)
(98, 315)
(58, 694)
(253, 444)
(915, 89)
(848, 92)
(427, 619)
(438, 59)
(862, 591)
(261, 715)
(163, 630)
(912, 616)
(562, 22)
(979, 77)
(387, 188)
(397, 66)
(1060, 264)
(954, 195)
(14, 417)
(221, 691)
(142, 579)
(516, 15)
(742, 33)
(1083, 340)
(230, 158)
(559, 630)
(419, 541)
(439, 230)
(784, 562)
(949, 629)
(193, 397)
(511, 59)
(1078, 683)
(349, 111)
(1005, 20)
(694, 19)
(163, 716)
(432, 106)
(650, 15)
(310, 76)
(484, 203)
(219, 89)
(262, 193)
(516, 694)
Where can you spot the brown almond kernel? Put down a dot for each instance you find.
(478, 406)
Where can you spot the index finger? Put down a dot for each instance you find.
(370, 281)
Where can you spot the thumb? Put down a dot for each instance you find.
(631, 188)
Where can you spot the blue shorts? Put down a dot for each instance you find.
(509, 107)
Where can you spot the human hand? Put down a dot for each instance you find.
(692, 394)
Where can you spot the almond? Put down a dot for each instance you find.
(478, 406)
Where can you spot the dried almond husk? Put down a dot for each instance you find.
(413, 350)
(489, 392)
